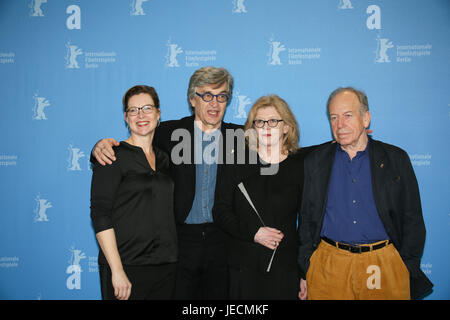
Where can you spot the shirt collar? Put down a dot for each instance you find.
(208, 135)
(359, 154)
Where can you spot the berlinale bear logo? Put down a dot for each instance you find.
(74, 269)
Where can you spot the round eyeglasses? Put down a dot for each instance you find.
(133, 111)
(208, 97)
(271, 122)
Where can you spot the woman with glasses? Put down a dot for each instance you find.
(132, 209)
(258, 202)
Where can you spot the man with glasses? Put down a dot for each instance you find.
(202, 262)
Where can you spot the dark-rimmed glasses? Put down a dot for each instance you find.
(208, 97)
(271, 122)
(133, 111)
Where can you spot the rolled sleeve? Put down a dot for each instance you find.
(105, 184)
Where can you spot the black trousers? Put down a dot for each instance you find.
(148, 282)
(282, 284)
(202, 272)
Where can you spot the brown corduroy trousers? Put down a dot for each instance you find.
(337, 274)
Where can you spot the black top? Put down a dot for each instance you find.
(137, 202)
(277, 198)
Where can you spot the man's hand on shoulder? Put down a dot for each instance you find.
(103, 151)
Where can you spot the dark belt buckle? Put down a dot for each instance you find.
(354, 249)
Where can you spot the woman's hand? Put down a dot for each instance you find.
(121, 285)
(303, 293)
(104, 152)
(120, 282)
(268, 237)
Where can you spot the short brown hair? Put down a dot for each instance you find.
(138, 90)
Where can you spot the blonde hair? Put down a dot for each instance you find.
(291, 138)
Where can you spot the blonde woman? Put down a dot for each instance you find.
(273, 184)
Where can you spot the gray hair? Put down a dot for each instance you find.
(363, 102)
(208, 76)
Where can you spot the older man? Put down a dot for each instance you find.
(361, 227)
(196, 147)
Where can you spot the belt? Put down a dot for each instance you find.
(356, 248)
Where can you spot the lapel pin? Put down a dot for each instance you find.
(382, 165)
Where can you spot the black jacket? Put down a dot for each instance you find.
(277, 199)
(397, 200)
(176, 137)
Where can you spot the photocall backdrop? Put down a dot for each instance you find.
(65, 65)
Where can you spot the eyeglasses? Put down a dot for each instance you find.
(208, 97)
(271, 122)
(133, 111)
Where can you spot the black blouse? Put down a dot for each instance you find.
(137, 202)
